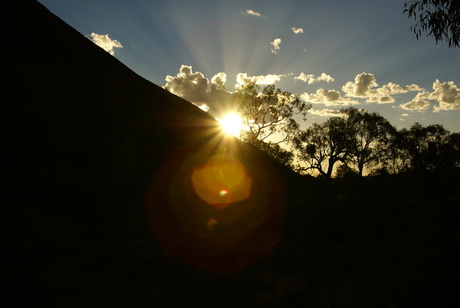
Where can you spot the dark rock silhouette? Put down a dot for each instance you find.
(97, 166)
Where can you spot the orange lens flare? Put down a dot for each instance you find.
(221, 181)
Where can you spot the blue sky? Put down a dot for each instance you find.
(335, 53)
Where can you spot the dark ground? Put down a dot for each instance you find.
(97, 209)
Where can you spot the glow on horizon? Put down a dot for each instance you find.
(232, 124)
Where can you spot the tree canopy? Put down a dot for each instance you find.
(321, 146)
(438, 18)
(267, 111)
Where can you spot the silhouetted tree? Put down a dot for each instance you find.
(439, 18)
(268, 111)
(344, 171)
(369, 135)
(275, 151)
(321, 146)
(398, 158)
(432, 149)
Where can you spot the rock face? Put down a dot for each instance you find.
(97, 169)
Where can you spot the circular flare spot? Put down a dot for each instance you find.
(222, 180)
(211, 223)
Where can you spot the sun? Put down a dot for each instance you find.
(232, 124)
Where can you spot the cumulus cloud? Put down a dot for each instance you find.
(253, 13)
(447, 94)
(419, 103)
(104, 41)
(311, 79)
(218, 81)
(327, 113)
(276, 45)
(361, 87)
(328, 97)
(188, 85)
(366, 86)
(243, 78)
(405, 115)
(196, 88)
(297, 30)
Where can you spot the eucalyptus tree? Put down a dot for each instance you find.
(321, 146)
(369, 136)
(431, 148)
(267, 112)
(438, 18)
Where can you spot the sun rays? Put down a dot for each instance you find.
(232, 124)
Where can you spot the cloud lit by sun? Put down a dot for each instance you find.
(232, 124)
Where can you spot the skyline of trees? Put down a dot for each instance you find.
(362, 143)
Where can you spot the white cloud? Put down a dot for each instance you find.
(276, 45)
(218, 81)
(104, 41)
(447, 94)
(311, 79)
(243, 78)
(361, 87)
(366, 86)
(253, 13)
(419, 103)
(195, 88)
(189, 85)
(297, 30)
(204, 107)
(328, 97)
(326, 113)
(405, 115)
(396, 89)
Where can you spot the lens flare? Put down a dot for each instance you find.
(211, 224)
(232, 124)
(222, 180)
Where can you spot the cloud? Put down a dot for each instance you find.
(204, 107)
(218, 81)
(361, 87)
(405, 115)
(447, 94)
(311, 79)
(327, 113)
(419, 103)
(297, 30)
(366, 86)
(243, 78)
(195, 88)
(276, 45)
(104, 41)
(253, 13)
(188, 85)
(328, 97)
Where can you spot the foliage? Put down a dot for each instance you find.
(275, 151)
(344, 171)
(321, 146)
(440, 18)
(358, 139)
(368, 138)
(268, 111)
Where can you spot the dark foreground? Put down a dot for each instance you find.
(336, 250)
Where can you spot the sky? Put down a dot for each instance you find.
(333, 54)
